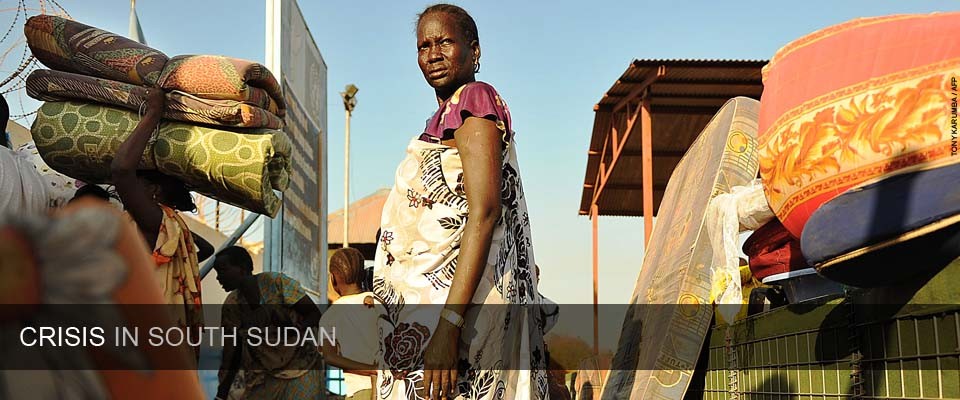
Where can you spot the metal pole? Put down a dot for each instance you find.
(243, 215)
(346, 184)
(349, 95)
(247, 223)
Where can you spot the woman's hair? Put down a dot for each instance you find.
(93, 191)
(347, 265)
(464, 21)
(173, 189)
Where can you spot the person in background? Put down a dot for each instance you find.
(356, 326)
(154, 201)
(266, 300)
(23, 191)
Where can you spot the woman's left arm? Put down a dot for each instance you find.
(479, 143)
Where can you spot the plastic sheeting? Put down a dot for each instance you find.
(743, 208)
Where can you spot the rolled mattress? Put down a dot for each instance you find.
(242, 169)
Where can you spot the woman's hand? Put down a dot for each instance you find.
(156, 99)
(440, 362)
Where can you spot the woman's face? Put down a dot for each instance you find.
(167, 191)
(445, 57)
(154, 190)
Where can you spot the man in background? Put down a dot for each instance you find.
(265, 300)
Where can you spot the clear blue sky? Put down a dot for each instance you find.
(550, 60)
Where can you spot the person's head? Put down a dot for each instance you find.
(448, 48)
(167, 190)
(92, 191)
(346, 271)
(233, 264)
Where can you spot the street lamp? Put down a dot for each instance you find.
(349, 95)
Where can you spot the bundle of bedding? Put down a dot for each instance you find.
(220, 131)
(48, 85)
(70, 46)
(855, 103)
(857, 150)
(242, 169)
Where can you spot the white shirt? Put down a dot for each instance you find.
(356, 334)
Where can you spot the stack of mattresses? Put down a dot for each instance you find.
(858, 145)
(220, 131)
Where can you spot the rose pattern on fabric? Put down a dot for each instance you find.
(405, 345)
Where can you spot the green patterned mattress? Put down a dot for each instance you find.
(242, 169)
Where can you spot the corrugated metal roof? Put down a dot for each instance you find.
(364, 220)
(682, 101)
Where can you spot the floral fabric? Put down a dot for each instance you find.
(501, 351)
(178, 270)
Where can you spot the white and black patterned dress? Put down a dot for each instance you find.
(501, 351)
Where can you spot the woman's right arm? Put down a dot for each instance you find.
(123, 170)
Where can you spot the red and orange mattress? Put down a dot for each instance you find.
(853, 103)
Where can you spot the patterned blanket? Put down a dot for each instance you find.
(70, 46)
(219, 77)
(241, 169)
(48, 85)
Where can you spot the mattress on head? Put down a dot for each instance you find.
(242, 169)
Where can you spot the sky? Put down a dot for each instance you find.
(550, 60)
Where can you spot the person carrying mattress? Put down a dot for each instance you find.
(154, 201)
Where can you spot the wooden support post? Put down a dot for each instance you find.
(594, 216)
(646, 132)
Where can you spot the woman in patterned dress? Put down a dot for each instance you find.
(154, 201)
(455, 236)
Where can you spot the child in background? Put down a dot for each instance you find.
(356, 326)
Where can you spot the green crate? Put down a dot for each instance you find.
(810, 351)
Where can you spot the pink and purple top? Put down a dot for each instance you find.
(475, 99)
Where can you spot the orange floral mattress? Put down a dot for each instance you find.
(856, 102)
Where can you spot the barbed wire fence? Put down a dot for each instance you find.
(16, 60)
